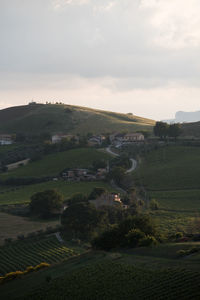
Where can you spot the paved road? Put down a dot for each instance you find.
(133, 161)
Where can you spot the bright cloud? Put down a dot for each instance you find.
(121, 50)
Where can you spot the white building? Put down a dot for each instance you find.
(6, 139)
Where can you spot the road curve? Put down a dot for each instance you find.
(133, 161)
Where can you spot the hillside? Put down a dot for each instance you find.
(53, 164)
(171, 176)
(148, 273)
(191, 129)
(52, 118)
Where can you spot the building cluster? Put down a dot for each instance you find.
(6, 139)
(84, 174)
(108, 199)
(117, 138)
(96, 140)
(57, 138)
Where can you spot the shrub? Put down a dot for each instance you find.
(134, 236)
(41, 266)
(154, 204)
(147, 241)
(29, 269)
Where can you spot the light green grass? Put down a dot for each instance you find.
(53, 164)
(22, 194)
(171, 176)
(179, 200)
(170, 168)
(36, 119)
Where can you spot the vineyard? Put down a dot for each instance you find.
(21, 254)
(110, 280)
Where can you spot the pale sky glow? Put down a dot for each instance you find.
(139, 56)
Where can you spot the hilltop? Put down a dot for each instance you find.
(54, 118)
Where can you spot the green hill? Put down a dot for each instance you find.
(191, 129)
(53, 164)
(171, 176)
(55, 118)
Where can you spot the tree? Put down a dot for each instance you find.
(97, 191)
(46, 203)
(77, 198)
(161, 129)
(80, 220)
(154, 205)
(174, 130)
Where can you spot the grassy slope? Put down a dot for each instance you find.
(145, 272)
(54, 118)
(191, 129)
(22, 194)
(171, 176)
(12, 226)
(52, 164)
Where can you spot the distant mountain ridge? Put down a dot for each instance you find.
(182, 117)
(60, 118)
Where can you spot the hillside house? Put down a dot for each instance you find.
(6, 139)
(57, 138)
(96, 140)
(119, 138)
(107, 199)
(133, 137)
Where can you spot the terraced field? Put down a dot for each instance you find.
(22, 254)
(111, 280)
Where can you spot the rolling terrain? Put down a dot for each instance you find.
(145, 273)
(171, 176)
(52, 118)
(53, 164)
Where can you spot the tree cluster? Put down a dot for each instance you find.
(164, 130)
(46, 204)
(131, 232)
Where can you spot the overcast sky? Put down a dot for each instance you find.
(139, 56)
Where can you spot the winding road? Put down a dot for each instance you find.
(133, 161)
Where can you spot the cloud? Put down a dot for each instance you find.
(121, 46)
(176, 22)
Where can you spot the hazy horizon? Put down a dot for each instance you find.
(138, 56)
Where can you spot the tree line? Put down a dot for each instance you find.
(164, 130)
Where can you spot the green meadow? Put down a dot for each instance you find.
(53, 164)
(22, 194)
(171, 175)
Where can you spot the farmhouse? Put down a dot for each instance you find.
(96, 140)
(133, 137)
(106, 199)
(118, 138)
(6, 139)
(57, 138)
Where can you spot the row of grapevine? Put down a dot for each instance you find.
(111, 280)
(19, 255)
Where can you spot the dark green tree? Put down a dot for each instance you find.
(46, 203)
(174, 130)
(80, 220)
(161, 129)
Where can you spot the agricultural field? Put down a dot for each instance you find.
(121, 281)
(12, 226)
(170, 168)
(53, 164)
(146, 273)
(171, 175)
(22, 194)
(21, 254)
